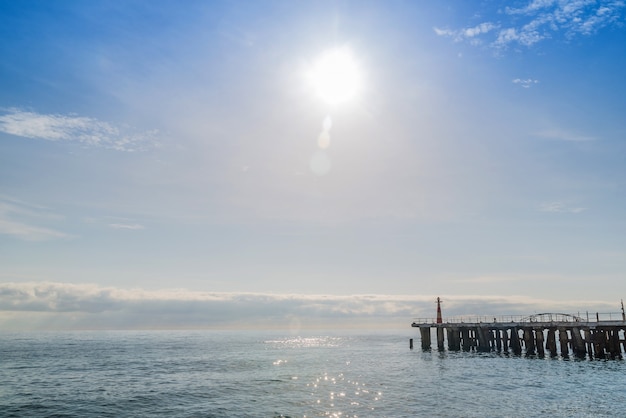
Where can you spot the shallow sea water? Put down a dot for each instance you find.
(257, 374)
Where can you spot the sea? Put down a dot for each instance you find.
(283, 374)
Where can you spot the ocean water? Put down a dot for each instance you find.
(272, 374)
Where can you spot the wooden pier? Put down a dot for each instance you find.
(546, 334)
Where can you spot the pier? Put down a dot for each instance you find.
(546, 334)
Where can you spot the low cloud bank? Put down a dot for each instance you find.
(63, 306)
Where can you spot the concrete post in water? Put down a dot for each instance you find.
(589, 340)
(539, 339)
(599, 343)
(425, 334)
(440, 338)
(454, 339)
(490, 339)
(610, 343)
(578, 344)
(473, 338)
(505, 342)
(551, 342)
(498, 340)
(467, 338)
(563, 340)
(410, 343)
(483, 338)
(604, 341)
(529, 340)
(515, 343)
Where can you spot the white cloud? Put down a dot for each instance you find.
(72, 128)
(479, 29)
(466, 33)
(563, 135)
(444, 32)
(126, 226)
(79, 306)
(542, 19)
(560, 207)
(19, 220)
(526, 83)
(532, 7)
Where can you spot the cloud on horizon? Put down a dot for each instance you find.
(73, 128)
(61, 306)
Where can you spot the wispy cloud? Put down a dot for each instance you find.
(526, 83)
(563, 135)
(560, 207)
(73, 128)
(542, 19)
(23, 221)
(471, 33)
(126, 226)
(33, 305)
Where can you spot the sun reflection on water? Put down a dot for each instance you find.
(339, 396)
(337, 390)
(306, 342)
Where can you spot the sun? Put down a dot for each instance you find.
(335, 76)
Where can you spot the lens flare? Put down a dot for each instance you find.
(323, 141)
(320, 163)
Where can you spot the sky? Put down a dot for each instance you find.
(294, 164)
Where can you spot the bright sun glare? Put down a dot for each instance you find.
(335, 76)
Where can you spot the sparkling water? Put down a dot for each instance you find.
(272, 374)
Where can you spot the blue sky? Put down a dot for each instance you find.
(179, 160)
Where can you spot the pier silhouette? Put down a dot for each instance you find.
(553, 334)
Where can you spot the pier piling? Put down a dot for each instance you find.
(425, 334)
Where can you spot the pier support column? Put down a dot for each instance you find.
(529, 340)
(578, 345)
(473, 338)
(594, 338)
(440, 346)
(614, 350)
(454, 339)
(551, 342)
(563, 341)
(466, 339)
(589, 338)
(539, 338)
(515, 342)
(600, 343)
(483, 339)
(425, 334)
(498, 340)
(505, 340)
